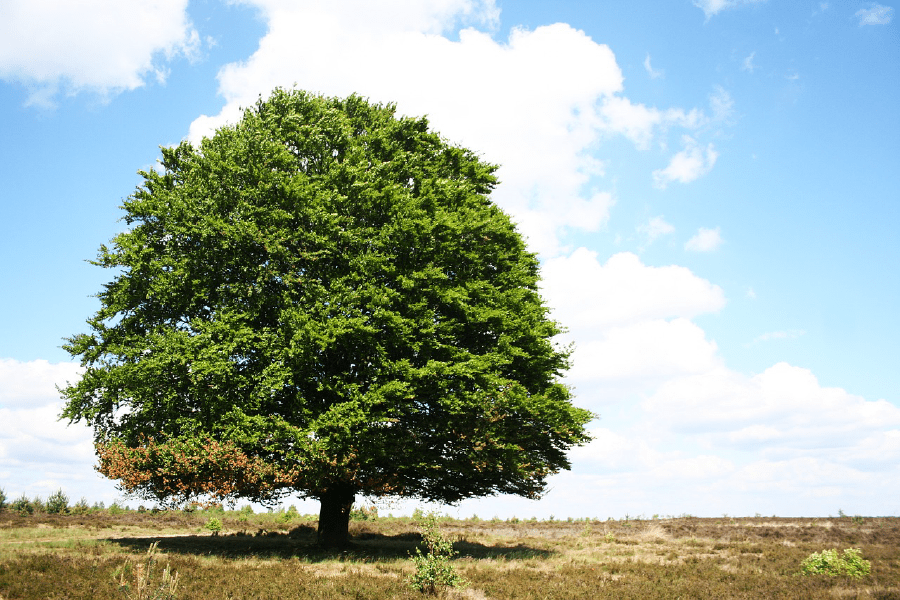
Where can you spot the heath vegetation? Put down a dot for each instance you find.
(125, 553)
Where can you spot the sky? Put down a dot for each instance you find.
(712, 186)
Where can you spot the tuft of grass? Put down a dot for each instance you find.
(136, 580)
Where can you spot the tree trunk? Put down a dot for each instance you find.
(334, 517)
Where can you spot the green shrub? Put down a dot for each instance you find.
(116, 509)
(289, 515)
(2, 499)
(364, 513)
(214, 525)
(57, 503)
(433, 569)
(829, 562)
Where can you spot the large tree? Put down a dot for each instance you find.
(322, 300)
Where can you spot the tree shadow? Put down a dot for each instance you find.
(300, 543)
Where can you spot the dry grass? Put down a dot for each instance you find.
(261, 557)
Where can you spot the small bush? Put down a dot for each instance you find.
(829, 562)
(433, 569)
(116, 509)
(57, 503)
(289, 515)
(2, 499)
(364, 513)
(214, 525)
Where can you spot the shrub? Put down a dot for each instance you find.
(289, 515)
(214, 525)
(116, 509)
(433, 569)
(2, 499)
(57, 503)
(829, 562)
(364, 513)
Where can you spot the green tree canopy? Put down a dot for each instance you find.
(322, 300)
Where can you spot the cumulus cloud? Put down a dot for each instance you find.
(552, 88)
(782, 413)
(777, 442)
(38, 452)
(592, 296)
(706, 240)
(630, 322)
(688, 165)
(876, 15)
(94, 45)
(30, 384)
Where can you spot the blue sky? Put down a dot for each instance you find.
(712, 186)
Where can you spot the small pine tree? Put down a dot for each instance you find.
(57, 503)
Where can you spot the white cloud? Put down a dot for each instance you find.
(784, 400)
(713, 7)
(722, 104)
(747, 64)
(552, 88)
(644, 353)
(630, 322)
(706, 240)
(639, 123)
(38, 452)
(102, 46)
(688, 165)
(30, 384)
(791, 334)
(877, 15)
(656, 227)
(594, 297)
(777, 442)
(653, 73)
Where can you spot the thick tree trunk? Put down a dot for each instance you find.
(334, 517)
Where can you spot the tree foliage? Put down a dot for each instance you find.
(322, 297)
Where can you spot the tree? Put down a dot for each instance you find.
(322, 300)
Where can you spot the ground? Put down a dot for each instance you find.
(273, 556)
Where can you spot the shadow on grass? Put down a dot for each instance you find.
(300, 543)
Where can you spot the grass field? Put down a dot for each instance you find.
(272, 556)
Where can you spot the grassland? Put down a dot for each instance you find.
(272, 556)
